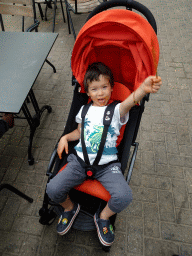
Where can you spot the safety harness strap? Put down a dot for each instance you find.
(83, 114)
(107, 118)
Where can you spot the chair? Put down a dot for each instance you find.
(48, 4)
(24, 8)
(83, 6)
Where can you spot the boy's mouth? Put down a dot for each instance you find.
(102, 101)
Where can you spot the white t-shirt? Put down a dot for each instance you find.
(93, 129)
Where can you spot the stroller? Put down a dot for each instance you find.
(127, 43)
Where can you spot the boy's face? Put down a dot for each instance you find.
(100, 91)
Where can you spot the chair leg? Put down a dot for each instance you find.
(40, 11)
(69, 20)
(62, 11)
(16, 191)
(46, 12)
(67, 11)
(54, 15)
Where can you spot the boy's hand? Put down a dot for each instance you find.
(63, 145)
(151, 84)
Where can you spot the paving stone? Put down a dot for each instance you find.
(188, 176)
(25, 207)
(30, 177)
(186, 249)
(150, 181)
(14, 151)
(28, 225)
(11, 242)
(171, 143)
(160, 248)
(166, 206)
(183, 216)
(67, 249)
(30, 246)
(134, 209)
(185, 150)
(151, 229)
(176, 232)
(151, 212)
(8, 214)
(160, 153)
(135, 235)
(120, 223)
(118, 248)
(5, 161)
(176, 160)
(89, 238)
(183, 135)
(180, 194)
(144, 194)
(148, 161)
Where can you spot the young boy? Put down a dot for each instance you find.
(98, 85)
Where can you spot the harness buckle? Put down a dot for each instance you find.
(90, 172)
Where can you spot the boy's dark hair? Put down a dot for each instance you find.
(94, 71)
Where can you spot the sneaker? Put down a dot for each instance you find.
(66, 220)
(104, 230)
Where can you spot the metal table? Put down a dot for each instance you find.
(22, 55)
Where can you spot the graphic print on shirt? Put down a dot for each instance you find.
(92, 136)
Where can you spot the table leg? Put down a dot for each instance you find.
(16, 191)
(53, 67)
(34, 121)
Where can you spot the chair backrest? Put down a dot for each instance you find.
(24, 8)
(84, 6)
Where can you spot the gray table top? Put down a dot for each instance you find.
(22, 55)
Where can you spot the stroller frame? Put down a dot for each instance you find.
(48, 214)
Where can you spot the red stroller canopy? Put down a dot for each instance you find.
(122, 40)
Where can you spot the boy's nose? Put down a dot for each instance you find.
(100, 92)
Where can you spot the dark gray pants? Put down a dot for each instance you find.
(110, 177)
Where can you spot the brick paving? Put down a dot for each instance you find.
(159, 220)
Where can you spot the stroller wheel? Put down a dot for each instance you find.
(106, 248)
(42, 211)
(47, 216)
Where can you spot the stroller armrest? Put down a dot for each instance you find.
(52, 162)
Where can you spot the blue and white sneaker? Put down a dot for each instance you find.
(66, 220)
(104, 230)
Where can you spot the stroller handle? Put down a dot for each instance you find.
(128, 4)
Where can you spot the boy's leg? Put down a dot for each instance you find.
(121, 196)
(68, 205)
(114, 182)
(58, 189)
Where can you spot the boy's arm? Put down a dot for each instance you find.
(63, 143)
(150, 85)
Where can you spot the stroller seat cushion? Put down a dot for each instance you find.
(92, 187)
